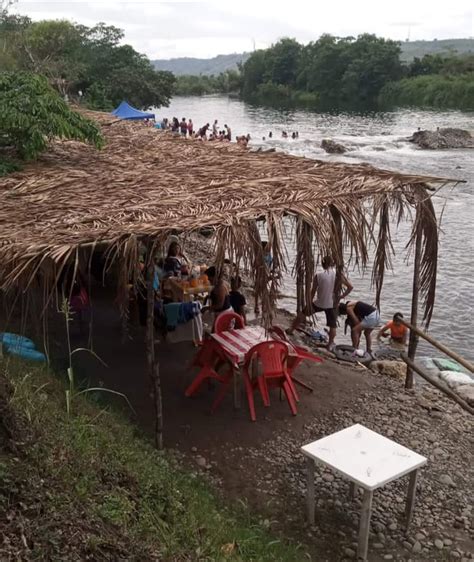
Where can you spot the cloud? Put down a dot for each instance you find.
(205, 29)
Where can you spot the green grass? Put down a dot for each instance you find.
(87, 486)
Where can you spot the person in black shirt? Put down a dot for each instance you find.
(362, 317)
(237, 299)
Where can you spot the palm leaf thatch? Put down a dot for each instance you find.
(146, 183)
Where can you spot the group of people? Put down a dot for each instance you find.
(186, 129)
(362, 317)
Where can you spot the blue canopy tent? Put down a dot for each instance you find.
(126, 111)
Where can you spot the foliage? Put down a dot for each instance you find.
(444, 65)
(8, 166)
(224, 83)
(337, 70)
(140, 504)
(31, 113)
(76, 58)
(430, 91)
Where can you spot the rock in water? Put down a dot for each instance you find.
(443, 138)
(466, 392)
(332, 147)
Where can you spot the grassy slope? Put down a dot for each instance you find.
(86, 487)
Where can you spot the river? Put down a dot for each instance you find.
(379, 139)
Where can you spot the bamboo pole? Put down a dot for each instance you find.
(469, 366)
(153, 365)
(440, 386)
(413, 343)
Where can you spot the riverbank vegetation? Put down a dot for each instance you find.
(87, 64)
(31, 113)
(86, 486)
(224, 83)
(349, 72)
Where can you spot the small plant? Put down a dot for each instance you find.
(71, 392)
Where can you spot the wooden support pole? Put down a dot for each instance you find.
(153, 366)
(440, 386)
(413, 343)
(469, 366)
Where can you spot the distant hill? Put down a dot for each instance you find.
(221, 63)
(412, 49)
(187, 65)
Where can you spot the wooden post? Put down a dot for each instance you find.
(413, 343)
(153, 366)
(449, 352)
(439, 385)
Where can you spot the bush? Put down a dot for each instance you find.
(32, 113)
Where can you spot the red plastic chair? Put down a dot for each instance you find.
(296, 356)
(209, 358)
(228, 321)
(272, 357)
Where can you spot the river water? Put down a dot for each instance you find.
(379, 139)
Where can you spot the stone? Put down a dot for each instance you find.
(332, 147)
(420, 537)
(439, 544)
(388, 557)
(193, 449)
(466, 392)
(447, 480)
(438, 451)
(392, 527)
(447, 542)
(201, 461)
(416, 547)
(378, 545)
(454, 554)
(443, 138)
(328, 477)
(394, 369)
(349, 552)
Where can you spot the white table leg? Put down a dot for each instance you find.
(364, 525)
(411, 497)
(310, 490)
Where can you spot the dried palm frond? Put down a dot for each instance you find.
(146, 183)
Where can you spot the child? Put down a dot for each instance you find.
(398, 331)
(237, 299)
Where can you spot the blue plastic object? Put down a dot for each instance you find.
(26, 353)
(14, 340)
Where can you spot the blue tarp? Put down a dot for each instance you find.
(126, 111)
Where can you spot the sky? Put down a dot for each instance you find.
(205, 29)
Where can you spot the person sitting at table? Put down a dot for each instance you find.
(174, 262)
(237, 299)
(219, 299)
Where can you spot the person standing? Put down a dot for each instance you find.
(228, 133)
(190, 128)
(183, 127)
(324, 288)
(215, 129)
(362, 317)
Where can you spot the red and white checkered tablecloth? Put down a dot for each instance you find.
(236, 343)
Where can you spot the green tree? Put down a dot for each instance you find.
(32, 113)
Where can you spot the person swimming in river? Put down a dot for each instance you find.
(284, 135)
(398, 331)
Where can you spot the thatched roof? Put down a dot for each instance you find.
(145, 183)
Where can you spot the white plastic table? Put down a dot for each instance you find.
(367, 459)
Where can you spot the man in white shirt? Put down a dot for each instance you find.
(324, 288)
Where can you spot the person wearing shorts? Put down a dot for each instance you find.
(362, 317)
(324, 288)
